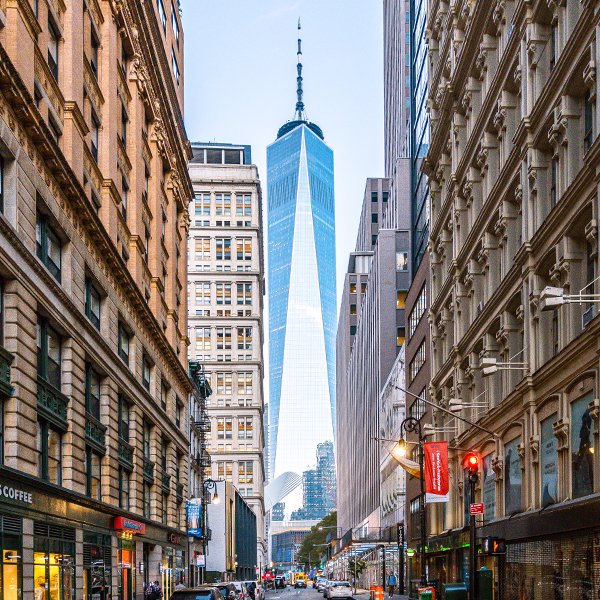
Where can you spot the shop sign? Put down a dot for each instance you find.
(10, 493)
(200, 560)
(174, 538)
(124, 524)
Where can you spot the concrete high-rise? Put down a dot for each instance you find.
(302, 294)
(226, 288)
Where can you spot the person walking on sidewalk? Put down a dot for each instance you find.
(391, 583)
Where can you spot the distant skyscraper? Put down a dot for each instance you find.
(302, 294)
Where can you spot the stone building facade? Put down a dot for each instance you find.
(514, 208)
(94, 191)
(225, 290)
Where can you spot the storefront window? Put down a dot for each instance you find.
(126, 570)
(582, 447)
(11, 574)
(54, 562)
(512, 477)
(97, 554)
(549, 461)
(167, 572)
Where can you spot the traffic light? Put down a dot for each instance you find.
(471, 462)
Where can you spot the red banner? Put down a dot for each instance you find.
(436, 468)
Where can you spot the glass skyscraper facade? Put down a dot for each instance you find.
(302, 296)
(419, 133)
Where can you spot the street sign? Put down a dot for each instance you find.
(477, 508)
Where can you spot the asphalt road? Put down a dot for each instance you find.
(290, 593)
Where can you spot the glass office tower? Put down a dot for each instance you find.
(302, 296)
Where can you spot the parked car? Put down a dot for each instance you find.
(198, 593)
(242, 590)
(321, 582)
(339, 589)
(326, 588)
(255, 590)
(228, 590)
(280, 583)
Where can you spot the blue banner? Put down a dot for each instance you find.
(193, 514)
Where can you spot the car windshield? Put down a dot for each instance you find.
(191, 595)
(341, 584)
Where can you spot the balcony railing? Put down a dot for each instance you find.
(52, 404)
(148, 470)
(126, 454)
(95, 433)
(6, 359)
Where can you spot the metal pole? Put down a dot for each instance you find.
(472, 542)
(383, 569)
(355, 571)
(422, 509)
(401, 559)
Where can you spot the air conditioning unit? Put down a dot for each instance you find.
(587, 316)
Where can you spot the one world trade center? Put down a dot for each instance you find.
(302, 293)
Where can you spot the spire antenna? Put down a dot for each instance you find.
(299, 91)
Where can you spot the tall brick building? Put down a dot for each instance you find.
(93, 226)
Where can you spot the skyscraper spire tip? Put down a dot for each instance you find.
(299, 104)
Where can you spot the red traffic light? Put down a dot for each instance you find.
(471, 461)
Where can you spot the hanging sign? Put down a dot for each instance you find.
(193, 511)
(437, 486)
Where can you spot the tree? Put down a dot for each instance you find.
(361, 565)
(310, 555)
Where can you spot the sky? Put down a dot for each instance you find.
(240, 86)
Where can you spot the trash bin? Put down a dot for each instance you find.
(427, 593)
(456, 591)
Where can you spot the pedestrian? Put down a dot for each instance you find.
(153, 591)
(391, 583)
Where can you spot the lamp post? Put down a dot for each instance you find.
(410, 425)
(207, 485)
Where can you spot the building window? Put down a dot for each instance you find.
(124, 121)
(353, 309)
(202, 248)
(48, 246)
(363, 287)
(417, 362)
(93, 468)
(400, 336)
(125, 189)
(178, 413)
(175, 24)
(228, 428)
(553, 180)
(162, 14)
(374, 196)
(245, 472)
(223, 248)
(385, 196)
(582, 447)
(400, 299)
(146, 367)
(244, 294)
(48, 354)
(417, 408)
(353, 287)
(164, 395)
(92, 393)
(415, 523)
(92, 302)
(146, 245)
(221, 428)
(94, 56)
(123, 489)
(123, 419)
(243, 205)
(95, 138)
(417, 312)
(588, 112)
(223, 204)
(146, 501)
(401, 261)
(175, 66)
(374, 218)
(201, 205)
(373, 239)
(146, 440)
(244, 248)
(352, 329)
(53, 562)
(53, 49)
(203, 341)
(224, 293)
(245, 428)
(123, 343)
(244, 383)
(1, 183)
(49, 448)
(244, 338)
(223, 338)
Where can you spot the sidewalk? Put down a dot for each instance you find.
(363, 593)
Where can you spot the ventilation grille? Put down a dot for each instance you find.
(11, 524)
(53, 531)
(92, 555)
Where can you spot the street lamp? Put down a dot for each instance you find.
(211, 484)
(490, 366)
(552, 298)
(409, 425)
